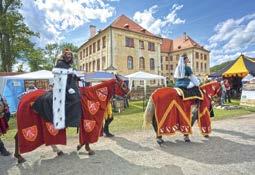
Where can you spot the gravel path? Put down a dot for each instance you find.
(230, 150)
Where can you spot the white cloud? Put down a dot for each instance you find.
(155, 25)
(231, 38)
(53, 18)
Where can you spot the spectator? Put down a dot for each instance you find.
(228, 90)
(30, 88)
(50, 87)
(223, 93)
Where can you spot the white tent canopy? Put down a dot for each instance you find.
(144, 76)
(248, 78)
(38, 75)
(248, 91)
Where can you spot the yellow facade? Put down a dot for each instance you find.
(89, 58)
(115, 47)
(116, 52)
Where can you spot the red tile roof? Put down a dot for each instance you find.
(183, 42)
(125, 23)
(166, 45)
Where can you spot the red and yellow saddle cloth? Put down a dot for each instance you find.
(173, 114)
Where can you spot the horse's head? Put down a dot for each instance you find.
(121, 88)
(212, 89)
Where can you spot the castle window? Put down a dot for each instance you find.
(152, 64)
(130, 62)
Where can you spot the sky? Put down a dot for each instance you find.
(226, 28)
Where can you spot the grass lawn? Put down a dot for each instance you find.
(223, 114)
(132, 119)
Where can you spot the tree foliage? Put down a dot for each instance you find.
(52, 52)
(14, 34)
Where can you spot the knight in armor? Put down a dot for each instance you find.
(4, 117)
(62, 105)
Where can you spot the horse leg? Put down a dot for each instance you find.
(211, 115)
(17, 154)
(193, 120)
(56, 150)
(194, 117)
(160, 141)
(87, 148)
(79, 147)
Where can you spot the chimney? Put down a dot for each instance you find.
(185, 36)
(92, 30)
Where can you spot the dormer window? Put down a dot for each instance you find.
(126, 26)
(143, 30)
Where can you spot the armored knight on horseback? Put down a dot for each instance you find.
(62, 106)
(43, 116)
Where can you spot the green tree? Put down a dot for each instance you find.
(36, 60)
(53, 51)
(14, 34)
(218, 67)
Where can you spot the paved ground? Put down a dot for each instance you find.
(230, 150)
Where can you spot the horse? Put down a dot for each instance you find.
(34, 131)
(168, 111)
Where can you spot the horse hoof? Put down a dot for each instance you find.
(206, 136)
(109, 135)
(91, 152)
(21, 160)
(60, 153)
(160, 141)
(186, 139)
(79, 147)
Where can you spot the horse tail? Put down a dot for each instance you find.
(149, 113)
